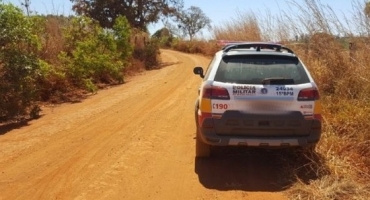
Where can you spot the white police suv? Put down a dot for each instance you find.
(256, 94)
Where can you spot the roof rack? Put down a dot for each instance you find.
(258, 46)
(229, 42)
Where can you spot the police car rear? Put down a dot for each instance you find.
(257, 94)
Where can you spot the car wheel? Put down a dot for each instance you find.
(202, 150)
(196, 112)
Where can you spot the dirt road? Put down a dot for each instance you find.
(134, 141)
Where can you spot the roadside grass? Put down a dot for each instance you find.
(339, 60)
(244, 27)
(345, 142)
(53, 40)
(342, 77)
(208, 48)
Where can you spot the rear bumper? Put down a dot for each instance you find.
(216, 140)
(283, 130)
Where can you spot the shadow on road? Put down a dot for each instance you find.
(257, 169)
(6, 127)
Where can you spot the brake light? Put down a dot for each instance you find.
(216, 93)
(317, 116)
(310, 94)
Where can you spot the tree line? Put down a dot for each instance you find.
(62, 58)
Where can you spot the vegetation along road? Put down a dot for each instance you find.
(133, 141)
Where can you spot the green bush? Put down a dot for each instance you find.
(19, 65)
(95, 55)
(122, 34)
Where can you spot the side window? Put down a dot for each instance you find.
(208, 71)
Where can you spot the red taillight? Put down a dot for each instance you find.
(216, 93)
(317, 116)
(309, 94)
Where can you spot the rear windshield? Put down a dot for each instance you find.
(261, 69)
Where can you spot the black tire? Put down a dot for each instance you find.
(196, 112)
(202, 150)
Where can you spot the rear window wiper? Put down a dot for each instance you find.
(278, 81)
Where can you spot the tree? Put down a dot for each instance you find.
(192, 20)
(367, 9)
(139, 13)
(26, 4)
(164, 37)
(19, 65)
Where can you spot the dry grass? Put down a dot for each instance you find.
(342, 75)
(328, 188)
(242, 28)
(208, 48)
(53, 40)
(135, 67)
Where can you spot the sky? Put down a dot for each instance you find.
(218, 11)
